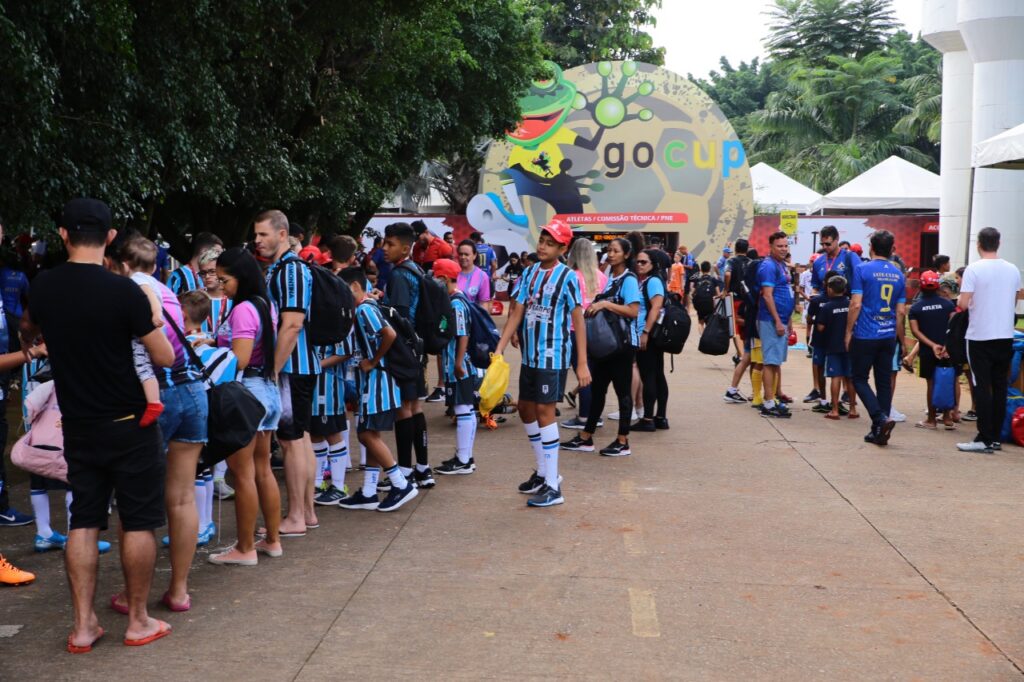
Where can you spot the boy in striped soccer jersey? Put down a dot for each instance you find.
(378, 402)
(548, 298)
(460, 375)
(329, 426)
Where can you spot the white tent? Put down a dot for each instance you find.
(894, 184)
(775, 191)
(1005, 150)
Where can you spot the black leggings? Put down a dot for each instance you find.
(618, 371)
(651, 364)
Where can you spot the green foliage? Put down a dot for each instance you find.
(811, 31)
(584, 31)
(742, 90)
(192, 115)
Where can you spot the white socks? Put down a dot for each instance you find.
(465, 432)
(219, 470)
(41, 509)
(320, 451)
(549, 441)
(337, 457)
(370, 477)
(398, 477)
(533, 433)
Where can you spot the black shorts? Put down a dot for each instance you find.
(413, 390)
(541, 386)
(382, 421)
(119, 457)
(927, 362)
(704, 311)
(323, 426)
(462, 392)
(296, 405)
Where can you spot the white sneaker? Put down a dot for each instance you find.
(615, 415)
(896, 415)
(974, 446)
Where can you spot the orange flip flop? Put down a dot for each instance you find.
(85, 648)
(165, 629)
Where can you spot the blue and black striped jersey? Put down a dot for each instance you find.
(220, 308)
(291, 287)
(450, 351)
(329, 396)
(184, 279)
(549, 297)
(378, 392)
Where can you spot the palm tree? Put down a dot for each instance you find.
(811, 31)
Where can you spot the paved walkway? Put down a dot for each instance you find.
(730, 547)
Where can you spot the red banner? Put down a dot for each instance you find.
(623, 218)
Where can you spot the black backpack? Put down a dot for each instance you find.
(956, 337)
(704, 292)
(750, 297)
(737, 270)
(483, 334)
(435, 319)
(673, 326)
(402, 361)
(331, 309)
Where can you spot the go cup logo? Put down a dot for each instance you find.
(617, 146)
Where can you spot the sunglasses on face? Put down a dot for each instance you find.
(643, 262)
(826, 244)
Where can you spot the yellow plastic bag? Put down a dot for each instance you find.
(495, 383)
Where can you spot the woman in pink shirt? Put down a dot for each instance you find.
(250, 333)
(473, 282)
(592, 281)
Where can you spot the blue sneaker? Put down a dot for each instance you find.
(206, 534)
(13, 517)
(55, 541)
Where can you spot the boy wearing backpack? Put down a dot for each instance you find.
(460, 376)
(403, 294)
(378, 403)
(705, 289)
(549, 299)
(735, 269)
(329, 426)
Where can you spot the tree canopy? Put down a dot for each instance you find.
(583, 31)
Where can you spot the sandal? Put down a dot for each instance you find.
(926, 425)
(83, 648)
(177, 608)
(162, 632)
(834, 417)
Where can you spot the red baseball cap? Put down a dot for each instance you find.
(929, 279)
(312, 254)
(559, 231)
(857, 249)
(444, 267)
(814, 257)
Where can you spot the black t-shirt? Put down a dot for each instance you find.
(932, 314)
(88, 317)
(813, 311)
(833, 314)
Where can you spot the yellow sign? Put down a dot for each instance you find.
(787, 222)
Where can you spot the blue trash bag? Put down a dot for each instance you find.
(1014, 400)
(944, 389)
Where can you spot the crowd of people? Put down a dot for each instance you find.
(322, 340)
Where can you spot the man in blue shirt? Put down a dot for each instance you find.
(773, 320)
(835, 258)
(722, 260)
(873, 327)
(486, 259)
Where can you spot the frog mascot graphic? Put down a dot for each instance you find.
(537, 163)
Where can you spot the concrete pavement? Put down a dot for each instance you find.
(730, 547)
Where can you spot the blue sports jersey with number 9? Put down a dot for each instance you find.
(883, 287)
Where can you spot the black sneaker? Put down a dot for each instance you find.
(971, 416)
(617, 449)
(437, 396)
(423, 479)
(328, 497)
(384, 485)
(534, 484)
(780, 411)
(884, 432)
(397, 497)
(661, 423)
(822, 409)
(359, 501)
(812, 396)
(546, 497)
(734, 397)
(577, 444)
(644, 426)
(453, 467)
(574, 423)
(996, 445)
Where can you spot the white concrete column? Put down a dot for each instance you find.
(993, 31)
(939, 29)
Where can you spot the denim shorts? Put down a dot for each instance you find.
(775, 348)
(185, 413)
(267, 393)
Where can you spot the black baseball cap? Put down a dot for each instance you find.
(419, 227)
(82, 215)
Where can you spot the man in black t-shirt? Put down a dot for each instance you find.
(929, 319)
(88, 317)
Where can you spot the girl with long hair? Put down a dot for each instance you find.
(250, 333)
(583, 261)
(650, 361)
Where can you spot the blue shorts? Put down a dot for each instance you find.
(838, 365)
(774, 348)
(267, 393)
(541, 386)
(818, 355)
(896, 358)
(381, 421)
(185, 413)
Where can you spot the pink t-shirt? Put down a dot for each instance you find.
(170, 303)
(476, 285)
(244, 323)
(602, 281)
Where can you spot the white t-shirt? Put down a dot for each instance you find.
(993, 283)
(805, 284)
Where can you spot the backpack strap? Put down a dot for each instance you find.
(190, 352)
